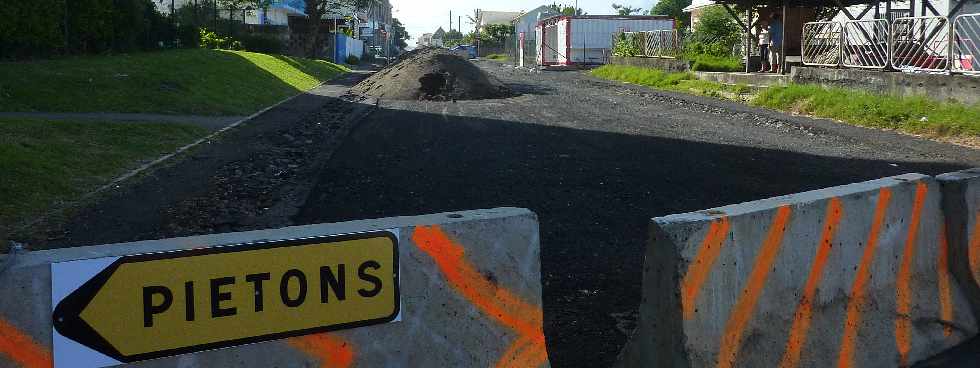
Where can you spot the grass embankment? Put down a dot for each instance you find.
(498, 57)
(47, 162)
(200, 81)
(918, 115)
(678, 82)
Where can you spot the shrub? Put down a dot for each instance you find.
(352, 60)
(41, 28)
(626, 45)
(211, 40)
(262, 43)
(188, 36)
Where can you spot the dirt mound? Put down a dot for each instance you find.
(432, 74)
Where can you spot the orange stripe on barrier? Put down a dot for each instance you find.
(698, 271)
(332, 351)
(974, 251)
(903, 292)
(945, 296)
(21, 349)
(844, 359)
(498, 303)
(742, 312)
(804, 312)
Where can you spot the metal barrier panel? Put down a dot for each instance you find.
(822, 43)
(663, 43)
(865, 44)
(966, 43)
(920, 44)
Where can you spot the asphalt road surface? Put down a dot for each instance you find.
(594, 159)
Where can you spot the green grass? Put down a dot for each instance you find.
(708, 63)
(678, 82)
(47, 162)
(910, 114)
(201, 81)
(919, 115)
(498, 57)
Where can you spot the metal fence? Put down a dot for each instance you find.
(821, 43)
(660, 44)
(966, 43)
(865, 44)
(909, 44)
(920, 44)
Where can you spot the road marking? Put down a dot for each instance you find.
(494, 301)
(945, 296)
(903, 292)
(804, 312)
(700, 268)
(742, 311)
(22, 349)
(844, 359)
(974, 251)
(332, 351)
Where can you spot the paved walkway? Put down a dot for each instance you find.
(207, 122)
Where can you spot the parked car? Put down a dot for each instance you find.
(467, 50)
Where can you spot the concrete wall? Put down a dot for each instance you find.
(852, 276)
(670, 65)
(470, 295)
(961, 205)
(965, 89)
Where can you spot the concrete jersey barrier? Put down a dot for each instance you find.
(961, 206)
(850, 276)
(469, 286)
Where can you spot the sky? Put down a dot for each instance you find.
(423, 16)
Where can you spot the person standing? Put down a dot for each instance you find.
(775, 41)
(764, 48)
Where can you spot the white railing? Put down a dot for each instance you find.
(966, 43)
(865, 44)
(821, 43)
(920, 44)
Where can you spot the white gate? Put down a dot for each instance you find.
(966, 43)
(821, 43)
(865, 44)
(920, 44)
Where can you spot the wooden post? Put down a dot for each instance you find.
(782, 45)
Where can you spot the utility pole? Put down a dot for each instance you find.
(450, 21)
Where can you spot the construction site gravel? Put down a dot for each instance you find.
(432, 74)
(594, 159)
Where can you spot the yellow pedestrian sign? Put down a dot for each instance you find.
(161, 304)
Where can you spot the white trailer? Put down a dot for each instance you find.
(587, 39)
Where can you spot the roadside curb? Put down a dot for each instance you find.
(188, 146)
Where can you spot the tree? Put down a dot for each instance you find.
(315, 10)
(673, 9)
(496, 34)
(716, 33)
(626, 9)
(566, 9)
(398, 34)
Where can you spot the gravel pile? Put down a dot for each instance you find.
(432, 74)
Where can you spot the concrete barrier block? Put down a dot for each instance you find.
(961, 207)
(849, 276)
(470, 295)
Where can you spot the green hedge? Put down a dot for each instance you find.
(41, 28)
